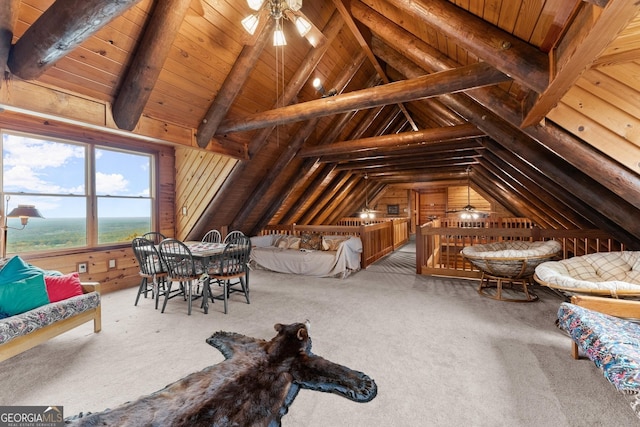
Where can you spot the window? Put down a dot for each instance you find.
(89, 195)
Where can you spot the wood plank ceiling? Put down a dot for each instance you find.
(539, 97)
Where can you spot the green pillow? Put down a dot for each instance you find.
(23, 295)
(17, 269)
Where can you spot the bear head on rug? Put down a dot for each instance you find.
(253, 386)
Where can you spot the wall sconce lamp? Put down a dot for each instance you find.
(317, 84)
(24, 212)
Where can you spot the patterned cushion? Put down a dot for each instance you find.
(32, 320)
(592, 271)
(311, 241)
(613, 344)
(287, 242)
(609, 266)
(331, 243)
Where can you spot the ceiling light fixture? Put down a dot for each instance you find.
(278, 9)
(317, 84)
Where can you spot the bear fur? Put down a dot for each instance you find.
(253, 386)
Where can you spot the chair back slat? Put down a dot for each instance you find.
(178, 259)
(155, 236)
(212, 236)
(235, 257)
(148, 257)
(233, 235)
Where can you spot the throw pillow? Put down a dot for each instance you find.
(17, 269)
(332, 243)
(293, 242)
(311, 241)
(62, 287)
(23, 295)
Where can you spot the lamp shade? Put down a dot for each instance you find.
(25, 211)
(250, 23)
(255, 4)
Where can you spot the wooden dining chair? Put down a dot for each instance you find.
(232, 235)
(231, 272)
(181, 268)
(212, 236)
(152, 270)
(155, 236)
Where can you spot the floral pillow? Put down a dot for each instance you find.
(332, 243)
(311, 241)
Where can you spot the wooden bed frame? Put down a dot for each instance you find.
(32, 339)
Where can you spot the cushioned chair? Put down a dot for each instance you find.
(181, 268)
(212, 236)
(510, 262)
(152, 269)
(231, 272)
(613, 274)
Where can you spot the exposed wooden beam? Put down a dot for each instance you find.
(463, 78)
(232, 84)
(59, 30)
(8, 16)
(607, 172)
(449, 133)
(148, 59)
(580, 51)
(348, 19)
(304, 72)
(499, 48)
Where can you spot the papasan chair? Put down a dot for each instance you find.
(610, 274)
(510, 263)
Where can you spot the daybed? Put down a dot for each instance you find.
(307, 254)
(612, 343)
(510, 262)
(615, 274)
(37, 305)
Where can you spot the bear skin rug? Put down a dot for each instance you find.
(253, 386)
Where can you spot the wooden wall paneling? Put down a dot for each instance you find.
(165, 179)
(392, 196)
(35, 97)
(603, 139)
(431, 203)
(125, 275)
(199, 176)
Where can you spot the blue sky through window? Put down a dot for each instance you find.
(33, 165)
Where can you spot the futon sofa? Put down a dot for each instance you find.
(308, 254)
(600, 329)
(37, 305)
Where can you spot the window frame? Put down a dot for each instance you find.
(90, 193)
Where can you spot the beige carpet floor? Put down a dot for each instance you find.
(441, 354)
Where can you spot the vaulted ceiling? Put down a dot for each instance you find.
(539, 97)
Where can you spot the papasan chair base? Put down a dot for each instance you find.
(506, 288)
(508, 267)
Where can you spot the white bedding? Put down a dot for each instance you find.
(317, 263)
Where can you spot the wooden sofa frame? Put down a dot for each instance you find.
(32, 339)
(611, 306)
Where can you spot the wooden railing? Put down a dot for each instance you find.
(438, 248)
(378, 239)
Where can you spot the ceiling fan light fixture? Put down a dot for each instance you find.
(255, 4)
(302, 25)
(278, 36)
(294, 5)
(250, 23)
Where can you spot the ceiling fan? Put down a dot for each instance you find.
(280, 10)
(469, 211)
(366, 212)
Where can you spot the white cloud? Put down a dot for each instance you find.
(111, 184)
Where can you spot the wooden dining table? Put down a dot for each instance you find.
(206, 253)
